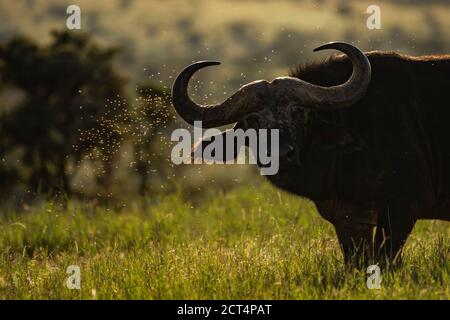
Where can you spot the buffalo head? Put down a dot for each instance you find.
(281, 104)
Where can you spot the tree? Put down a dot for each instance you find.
(68, 86)
(152, 114)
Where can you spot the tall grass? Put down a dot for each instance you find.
(248, 244)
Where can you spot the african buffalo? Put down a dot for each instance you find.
(365, 136)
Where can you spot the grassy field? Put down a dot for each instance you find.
(253, 242)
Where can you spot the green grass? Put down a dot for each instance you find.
(248, 244)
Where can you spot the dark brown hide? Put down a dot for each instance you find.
(382, 162)
(385, 160)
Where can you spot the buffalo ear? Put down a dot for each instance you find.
(334, 138)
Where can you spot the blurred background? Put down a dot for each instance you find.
(86, 113)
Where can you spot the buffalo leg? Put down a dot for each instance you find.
(392, 232)
(356, 242)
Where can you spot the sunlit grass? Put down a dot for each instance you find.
(250, 243)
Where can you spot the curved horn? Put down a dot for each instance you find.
(247, 99)
(283, 90)
(325, 98)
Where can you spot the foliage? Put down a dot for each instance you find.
(70, 107)
(153, 115)
(66, 85)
